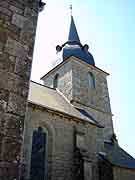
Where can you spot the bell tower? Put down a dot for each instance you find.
(80, 81)
(18, 21)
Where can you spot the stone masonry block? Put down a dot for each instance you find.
(28, 12)
(9, 171)
(3, 105)
(11, 149)
(2, 121)
(1, 47)
(5, 11)
(16, 10)
(4, 94)
(7, 63)
(3, 85)
(1, 141)
(15, 48)
(17, 84)
(11, 32)
(3, 35)
(16, 104)
(27, 34)
(18, 20)
(13, 126)
(23, 67)
(13, 84)
(4, 4)
(4, 17)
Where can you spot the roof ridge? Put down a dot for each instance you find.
(43, 85)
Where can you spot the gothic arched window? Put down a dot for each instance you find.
(55, 81)
(37, 170)
(91, 80)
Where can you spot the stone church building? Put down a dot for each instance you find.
(65, 125)
(69, 131)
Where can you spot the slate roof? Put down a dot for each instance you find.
(77, 51)
(52, 99)
(117, 156)
(73, 47)
(73, 35)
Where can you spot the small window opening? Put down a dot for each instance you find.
(91, 80)
(55, 81)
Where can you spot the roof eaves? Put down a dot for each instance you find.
(43, 85)
(93, 66)
(81, 119)
(65, 61)
(119, 164)
(56, 67)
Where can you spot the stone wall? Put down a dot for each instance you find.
(105, 119)
(96, 100)
(18, 20)
(97, 97)
(64, 79)
(60, 148)
(73, 83)
(123, 173)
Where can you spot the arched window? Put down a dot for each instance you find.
(55, 81)
(37, 170)
(91, 80)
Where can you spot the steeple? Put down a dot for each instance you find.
(73, 46)
(73, 35)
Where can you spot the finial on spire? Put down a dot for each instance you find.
(71, 9)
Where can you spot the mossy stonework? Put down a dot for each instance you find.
(18, 21)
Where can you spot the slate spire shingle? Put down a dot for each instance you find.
(73, 47)
(73, 35)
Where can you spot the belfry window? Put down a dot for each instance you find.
(55, 81)
(37, 170)
(91, 80)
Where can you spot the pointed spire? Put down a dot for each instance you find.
(73, 35)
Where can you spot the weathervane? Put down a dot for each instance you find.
(71, 9)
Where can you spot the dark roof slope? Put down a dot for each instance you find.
(77, 51)
(117, 156)
(73, 47)
(73, 35)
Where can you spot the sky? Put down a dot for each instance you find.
(108, 27)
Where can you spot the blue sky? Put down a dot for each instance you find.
(108, 27)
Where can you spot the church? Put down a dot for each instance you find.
(69, 131)
(64, 129)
